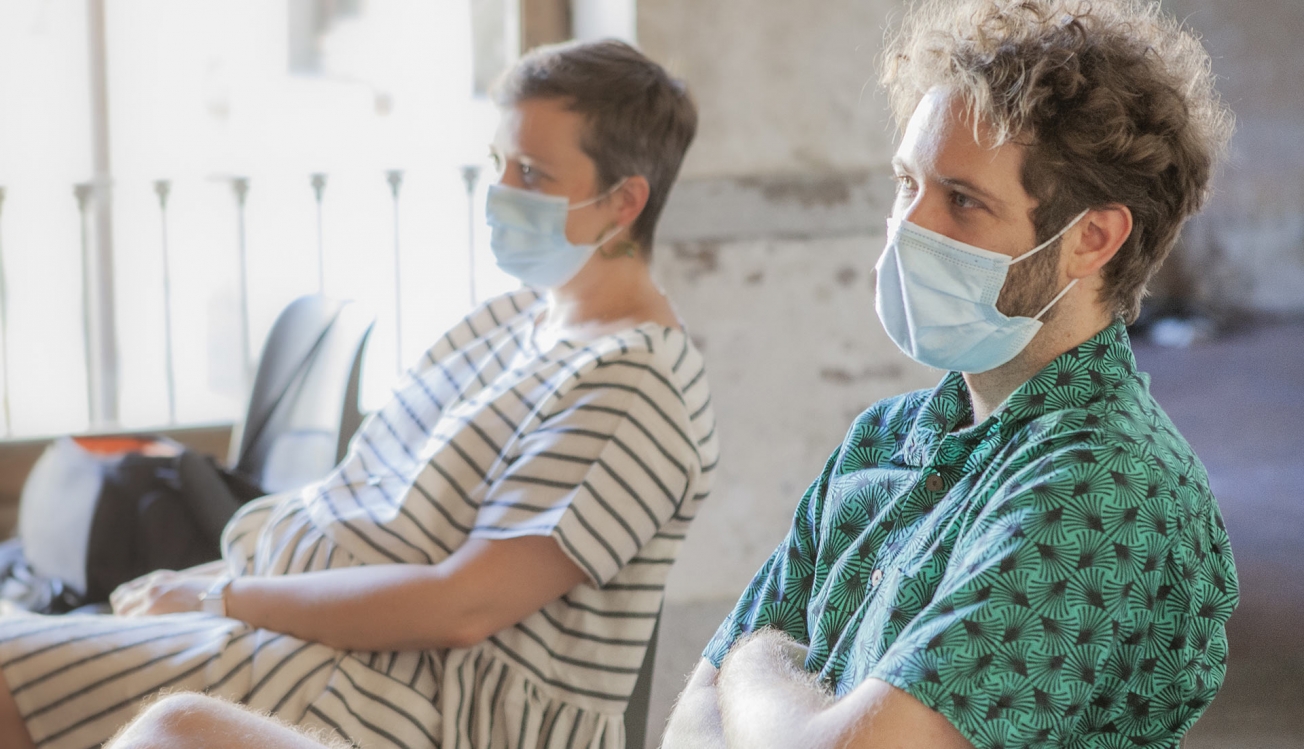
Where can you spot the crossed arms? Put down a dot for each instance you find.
(763, 697)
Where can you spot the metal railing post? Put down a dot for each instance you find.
(395, 179)
(471, 177)
(240, 187)
(84, 193)
(96, 197)
(319, 189)
(4, 324)
(162, 188)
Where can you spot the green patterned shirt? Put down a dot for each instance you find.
(1056, 576)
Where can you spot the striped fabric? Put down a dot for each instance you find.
(607, 445)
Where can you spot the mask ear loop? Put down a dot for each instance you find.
(1042, 246)
(1058, 297)
(596, 198)
(627, 251)
(1048, 242)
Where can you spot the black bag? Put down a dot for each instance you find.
(151, 509)
(160, 512)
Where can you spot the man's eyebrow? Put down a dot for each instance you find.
(973, 188)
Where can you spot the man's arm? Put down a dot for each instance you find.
(767, 699)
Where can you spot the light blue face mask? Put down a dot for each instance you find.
(528, 235)
(937, 299)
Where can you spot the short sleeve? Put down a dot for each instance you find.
(612, 463)
(780, 591)
(1068, 611)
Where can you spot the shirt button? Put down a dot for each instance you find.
(876, 578)
(933, 483)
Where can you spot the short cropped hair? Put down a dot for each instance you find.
(640, 120)
(1113, 98)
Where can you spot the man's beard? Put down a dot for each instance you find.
(1032, 284)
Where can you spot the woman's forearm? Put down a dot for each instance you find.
(482, 588)
(375, 607)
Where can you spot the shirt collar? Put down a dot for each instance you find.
(1078, 378)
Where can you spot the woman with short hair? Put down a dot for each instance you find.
(486, 565)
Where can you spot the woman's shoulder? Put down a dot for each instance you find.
(486, 319)
(668, 351)
(650, 362)
(504, 309)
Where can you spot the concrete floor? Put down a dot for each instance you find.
(1239, 400)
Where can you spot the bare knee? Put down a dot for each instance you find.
(177, 721)
(193, 721)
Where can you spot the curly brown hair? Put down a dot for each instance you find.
(1113, 99)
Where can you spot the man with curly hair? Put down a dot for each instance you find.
(1027, 555)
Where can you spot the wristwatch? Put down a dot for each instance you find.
(213, 600)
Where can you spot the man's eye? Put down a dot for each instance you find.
(964, 201)
(904, 183)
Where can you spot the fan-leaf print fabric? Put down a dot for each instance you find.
(1056, 576)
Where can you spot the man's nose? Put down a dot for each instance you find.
(927, 211)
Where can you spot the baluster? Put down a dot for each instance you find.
(84, 192)
(240, 187)
(319, 189)
(162, 188)
(471, 176)
(395, 179)
(4, 324)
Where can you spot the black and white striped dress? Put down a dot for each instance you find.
(607, 445)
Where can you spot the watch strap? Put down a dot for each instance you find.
(213, 600)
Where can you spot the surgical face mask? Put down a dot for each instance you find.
(528, 235)
(937, 299)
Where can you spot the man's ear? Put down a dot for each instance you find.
(631, 199)
(1100, 235)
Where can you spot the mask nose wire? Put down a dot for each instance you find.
(1047, 243)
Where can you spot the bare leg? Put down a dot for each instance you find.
(193, 721)
(13, 729)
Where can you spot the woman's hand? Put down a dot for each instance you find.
(161, 592)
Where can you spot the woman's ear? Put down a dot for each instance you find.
(630, 199)
(1100, 235)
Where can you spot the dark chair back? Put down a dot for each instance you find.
(303, 409)
(639, 701)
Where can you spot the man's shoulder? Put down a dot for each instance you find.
(883, 426)
(1119, 429)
